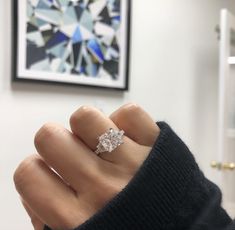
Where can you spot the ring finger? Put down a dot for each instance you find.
(88, 124)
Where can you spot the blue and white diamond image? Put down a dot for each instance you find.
(78, 37)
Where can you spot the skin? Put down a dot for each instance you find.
(63, 185)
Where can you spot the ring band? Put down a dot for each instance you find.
(109, 141)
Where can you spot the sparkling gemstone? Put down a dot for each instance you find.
(110, 140)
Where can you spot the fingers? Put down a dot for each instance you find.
(65, 153)
(138, 125)
(89, 123)
(67, 199)
(44, 192)
(72, 155)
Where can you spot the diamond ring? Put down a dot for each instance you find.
(109, 141)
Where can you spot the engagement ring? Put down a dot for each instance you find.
(109, 141)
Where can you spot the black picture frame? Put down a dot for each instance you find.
(119, 80)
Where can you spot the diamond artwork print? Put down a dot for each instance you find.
(82, 42)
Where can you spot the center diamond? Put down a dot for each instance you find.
(110, 140)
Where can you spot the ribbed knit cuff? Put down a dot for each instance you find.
(157, 195)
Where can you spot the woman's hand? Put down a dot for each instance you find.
(67, 182)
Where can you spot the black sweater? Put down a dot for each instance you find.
(169, 192)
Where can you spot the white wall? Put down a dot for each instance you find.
(174, 66)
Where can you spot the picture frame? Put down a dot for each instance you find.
(73, 42)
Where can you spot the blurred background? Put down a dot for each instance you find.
(174, 69)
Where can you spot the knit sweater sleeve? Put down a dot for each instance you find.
(169, 192)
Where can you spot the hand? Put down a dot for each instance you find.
(67, 183)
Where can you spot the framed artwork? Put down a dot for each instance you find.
(83, 42)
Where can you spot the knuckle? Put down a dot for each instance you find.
(114, 189)
(111, 192)
(25, 168)
(46, 131)
(84, 112)
(66, 220)
(131, 108)
(111, 188)
(127, 111)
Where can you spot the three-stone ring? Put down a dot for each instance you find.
(109, 141)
